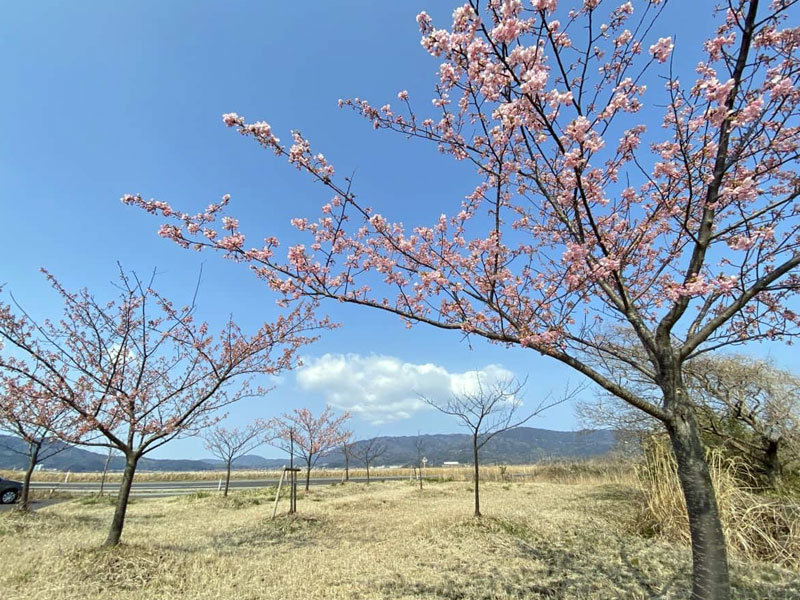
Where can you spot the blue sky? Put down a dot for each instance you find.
(106, 98)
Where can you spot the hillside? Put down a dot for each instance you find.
(518, 446)
(77, 459)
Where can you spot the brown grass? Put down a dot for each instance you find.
(386, 540)
(563, 471)
(756, 527)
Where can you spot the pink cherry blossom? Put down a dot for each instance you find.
(309, 437)
(662, 49)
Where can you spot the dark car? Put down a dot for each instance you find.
(9, 491)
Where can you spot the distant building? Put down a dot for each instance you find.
(451, 463)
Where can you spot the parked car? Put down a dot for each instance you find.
(9, 491)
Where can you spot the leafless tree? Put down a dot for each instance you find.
(486, 410)
(745, 405)
(367, 451)
(347, 453)
(105, 469)
(230, 444)
(751, 407)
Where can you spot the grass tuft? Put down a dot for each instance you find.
(123, 567)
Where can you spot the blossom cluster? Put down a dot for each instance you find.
(583, 215)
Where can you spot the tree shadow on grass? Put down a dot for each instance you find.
(579, 564)
(45, 524)
(611, 492)
(286, 530)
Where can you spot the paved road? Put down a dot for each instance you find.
(175, 488)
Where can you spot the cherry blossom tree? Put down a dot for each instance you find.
(309, 436)
(228, 444)
(586, 215)
(39, 422)
(139, 371)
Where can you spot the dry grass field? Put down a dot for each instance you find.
(388, 540)
(588, 470)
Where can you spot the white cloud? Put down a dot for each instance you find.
(382, 389)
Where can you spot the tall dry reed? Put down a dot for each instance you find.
(756, 527)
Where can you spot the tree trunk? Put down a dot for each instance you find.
(115, 533)
(346, 467)
(419, 474)
(227, 479)
(710, 580)
(477, 477)
(33, 456)
(772, 465)
(308, 475)
(367, 472)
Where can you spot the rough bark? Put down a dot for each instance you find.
(115, 533)
(24, 503)
(476, 477)
(308, 475)
(772, 465)
(710, 579)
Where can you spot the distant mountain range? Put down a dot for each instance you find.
(518, 446)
